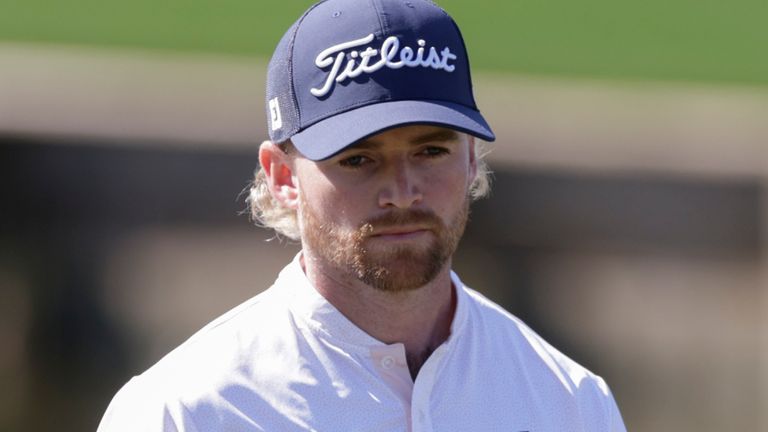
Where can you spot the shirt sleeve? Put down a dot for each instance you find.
(137, 407)
(616, 424)
(613, 415)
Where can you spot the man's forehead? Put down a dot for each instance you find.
(413, 135)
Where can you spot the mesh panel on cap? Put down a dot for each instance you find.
(280, 89)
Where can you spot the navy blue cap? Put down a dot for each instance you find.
(349, 69)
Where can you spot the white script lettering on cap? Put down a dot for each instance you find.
(359, 62)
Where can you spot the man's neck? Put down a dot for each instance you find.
(420, 318)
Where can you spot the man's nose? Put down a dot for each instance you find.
(401, 187)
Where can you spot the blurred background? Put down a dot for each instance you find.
(627, 223)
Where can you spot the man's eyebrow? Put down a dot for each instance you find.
(437, 136)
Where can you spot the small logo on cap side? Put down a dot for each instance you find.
(277, 118)
(390, 49)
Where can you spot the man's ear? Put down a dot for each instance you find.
(472, 158)
(278, 168)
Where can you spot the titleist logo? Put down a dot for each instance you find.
(389, 55)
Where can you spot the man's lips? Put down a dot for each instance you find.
(402, 225)
(400, 232)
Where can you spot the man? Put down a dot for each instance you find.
(372, 164)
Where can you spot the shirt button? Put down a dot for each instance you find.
(387, 362)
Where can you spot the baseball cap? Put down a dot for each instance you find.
(349, 69)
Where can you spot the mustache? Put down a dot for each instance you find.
(402, 217)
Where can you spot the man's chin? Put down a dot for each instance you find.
(395, 282)
(404, 269)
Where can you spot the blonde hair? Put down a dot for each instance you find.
(267, 212)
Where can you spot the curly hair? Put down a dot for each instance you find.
(267, 212)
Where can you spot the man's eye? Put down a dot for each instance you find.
(435, 151)
(354, 161)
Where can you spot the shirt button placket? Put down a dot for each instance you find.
(422, 391)
(420, 422)
(421, 417)
(420, 403)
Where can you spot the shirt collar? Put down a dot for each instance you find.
(322, 318)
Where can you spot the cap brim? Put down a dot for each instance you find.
(332, 135)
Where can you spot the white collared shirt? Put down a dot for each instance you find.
(287, 360)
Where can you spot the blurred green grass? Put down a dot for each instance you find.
(704, 40)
